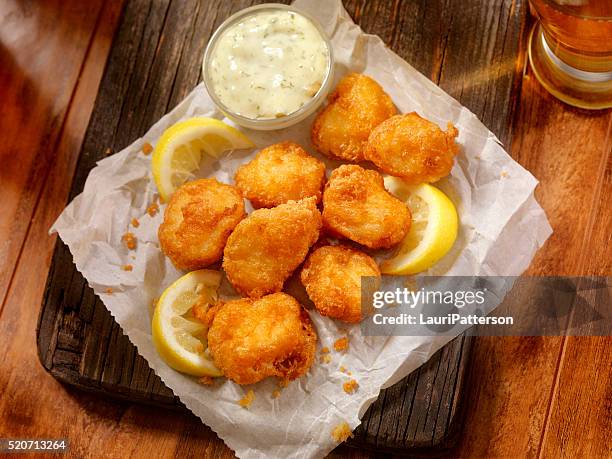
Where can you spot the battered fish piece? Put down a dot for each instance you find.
(197, 222)
(268, 245)
(357, 206)
(332, 278)
(250, 340)
(279, 173)
(413, 148)
(357, 105)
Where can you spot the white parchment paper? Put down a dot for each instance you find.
(502, 226)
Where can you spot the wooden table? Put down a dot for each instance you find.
(526, 396)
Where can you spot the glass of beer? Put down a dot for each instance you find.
(570, 50)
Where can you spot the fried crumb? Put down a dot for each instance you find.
(129, 240)
(282, 383)
(341, 432)
(200, 309)
(343, 369)
(245, 402)
(109, 290)
(504, 174)
(325, 350)
(206, 381)
(350, 386)
(325, 358)
(349, 373)
(411, 284)
(135, 223)
(341, 344)
(153, 209)
(147, 148)
(108, 151)
(127, 267)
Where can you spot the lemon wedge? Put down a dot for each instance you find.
(184, 145)
(180, 339)
(433, 231)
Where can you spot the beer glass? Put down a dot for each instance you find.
(570, 50)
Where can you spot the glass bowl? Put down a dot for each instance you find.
(267, 123)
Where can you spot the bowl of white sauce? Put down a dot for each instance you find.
(268, 67)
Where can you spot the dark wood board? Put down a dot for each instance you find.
(469, 48)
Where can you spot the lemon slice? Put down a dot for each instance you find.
(180, 339)
(184, 145)
(433, 231)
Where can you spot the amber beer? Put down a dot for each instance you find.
(571, 50)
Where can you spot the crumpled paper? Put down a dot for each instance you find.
(502, 226)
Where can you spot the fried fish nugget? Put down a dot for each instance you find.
(413, 148)
(279, 173)
(357, 105)
(332, 278)
(268, 245)
(357, 206)
(250, 340)
(197, 222)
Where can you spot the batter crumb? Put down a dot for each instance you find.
(325, 358)
(109, 290)
(245, 402)
(341, 344)
(325, 350)
(147, 148)
(350, 386)
(129, 240)
(276, 393)
(135, 223)
(153, 209)
(127, 267)
(411, 285)
(206, 381)
(341, 432)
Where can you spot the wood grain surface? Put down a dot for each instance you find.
(33, 114)
(526, 396)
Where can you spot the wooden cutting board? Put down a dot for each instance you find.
(468, 47)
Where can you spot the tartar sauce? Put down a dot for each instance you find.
(268, 64)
